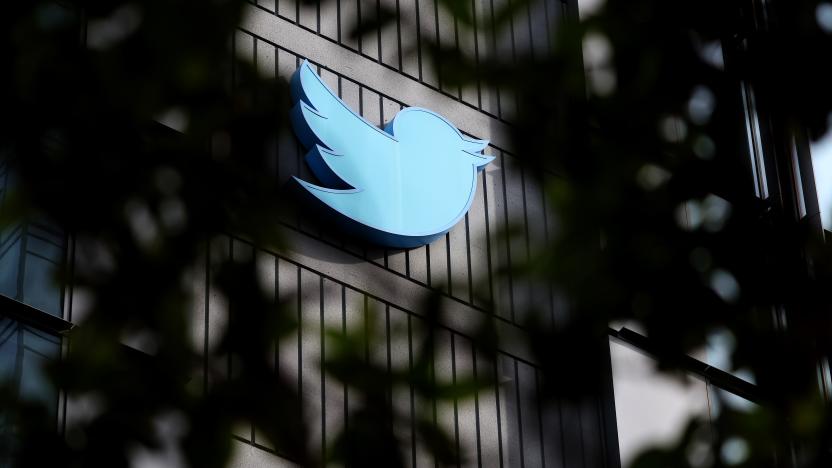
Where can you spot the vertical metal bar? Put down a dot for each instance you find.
(412, 395)
(476, 402)
(506, 234)
(321, 364)
(519, 406)
(488, 237)
(456, 401)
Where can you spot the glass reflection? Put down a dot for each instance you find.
(23, 353)
(30, 255)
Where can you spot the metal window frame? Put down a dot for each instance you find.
(717, 377)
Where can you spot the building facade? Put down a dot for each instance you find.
(338, 279)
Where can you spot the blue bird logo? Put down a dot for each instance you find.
(403, 186)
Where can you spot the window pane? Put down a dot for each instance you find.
(39, 288)
(651, 408)
(31, 253)
(23, 353)
(9, 265)
(32, 281)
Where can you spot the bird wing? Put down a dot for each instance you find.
(341, 141)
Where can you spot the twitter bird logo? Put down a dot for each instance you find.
(403, 186)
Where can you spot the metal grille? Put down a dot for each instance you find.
(505, 424)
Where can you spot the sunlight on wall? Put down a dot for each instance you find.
(651, 408)
(822, 163)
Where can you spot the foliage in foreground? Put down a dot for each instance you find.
(649, 181)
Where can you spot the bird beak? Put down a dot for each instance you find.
(473, 146)
(481, 161)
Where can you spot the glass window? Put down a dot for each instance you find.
(29, 261)
(23, 353)
(30, 255)
(651, 408)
